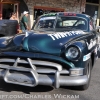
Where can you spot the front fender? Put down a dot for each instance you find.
(83, 50)
(11, 43)
(4, 41)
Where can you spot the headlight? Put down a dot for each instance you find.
(72, 53)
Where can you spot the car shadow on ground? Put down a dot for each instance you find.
(12, 87)
(76, 88)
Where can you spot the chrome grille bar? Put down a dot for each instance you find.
(32, 63)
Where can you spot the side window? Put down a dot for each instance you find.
(91, 26)
(80, 22)
(68, 22)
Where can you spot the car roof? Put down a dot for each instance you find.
(66, 14)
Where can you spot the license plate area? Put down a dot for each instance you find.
(21, 78)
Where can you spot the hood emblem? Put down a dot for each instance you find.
(60, 44)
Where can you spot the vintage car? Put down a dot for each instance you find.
(60, 50)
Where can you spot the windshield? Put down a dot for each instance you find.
(61, 23)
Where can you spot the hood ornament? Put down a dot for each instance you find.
(26, 34)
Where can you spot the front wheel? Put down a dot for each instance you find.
(88, 73)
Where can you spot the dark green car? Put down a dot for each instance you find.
(60, 50)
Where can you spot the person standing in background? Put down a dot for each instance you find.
(0, 16)
(13, 16)
(24, 21)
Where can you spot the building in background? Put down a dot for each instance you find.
(92, 7)
(9, 6)
(39, 7)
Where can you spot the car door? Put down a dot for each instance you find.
(93, 37)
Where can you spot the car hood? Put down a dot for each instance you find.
(51, 43)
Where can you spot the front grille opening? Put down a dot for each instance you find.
(64, 74)
(6, 64)
(50, 73)
(45, 67)
(23, 65)
(20, 72)
(8, 57)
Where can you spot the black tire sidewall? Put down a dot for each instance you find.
(85, 86)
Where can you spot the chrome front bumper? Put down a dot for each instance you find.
(51, 80)
(33, 76)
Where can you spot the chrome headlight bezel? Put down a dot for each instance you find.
(67, 55)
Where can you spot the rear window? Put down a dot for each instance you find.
(71, 23)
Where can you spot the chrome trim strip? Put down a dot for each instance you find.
(15, 68)
(57, 84)
(46, 70)
(33, 66)
(16, 62)
(7, 60)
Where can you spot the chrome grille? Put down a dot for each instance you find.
(27, 64)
